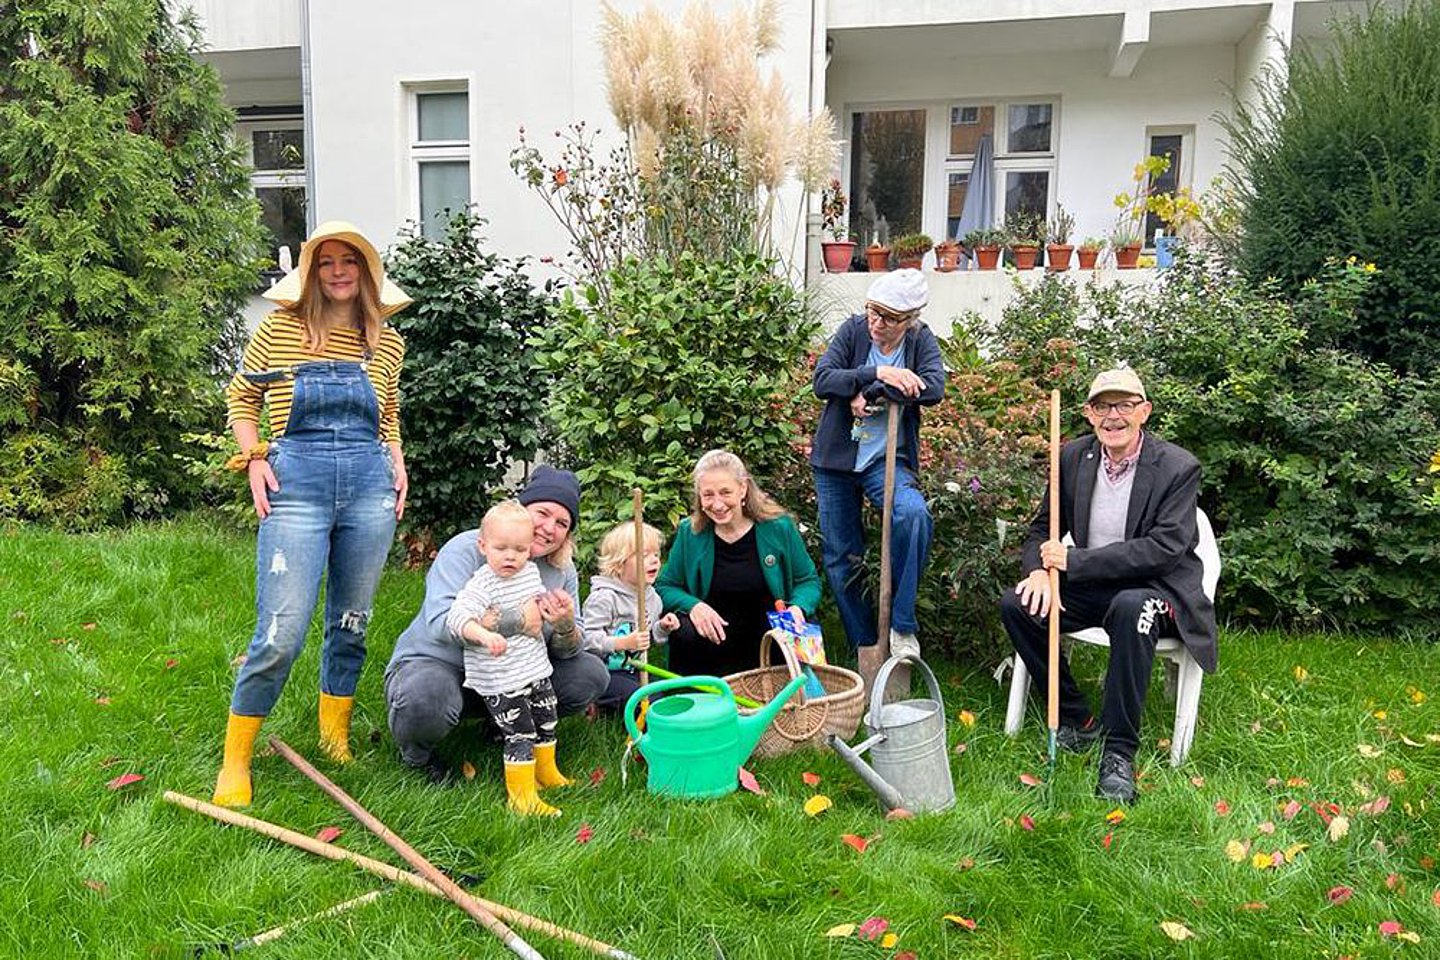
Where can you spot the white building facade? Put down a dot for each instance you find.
(383, 113)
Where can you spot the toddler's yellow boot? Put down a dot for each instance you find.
(520, 785)
(335, 727)
(547, 774)
(232, 787)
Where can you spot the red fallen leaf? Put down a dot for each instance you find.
(1376, 807)
(858, 843)
(597, 776)
(96, 885)
(584, 834)
(905, 955)
(1435, 898)
(1323, 813)
(1388, 928)
(1266, 828)
(1222, 807)
(748, 781)
(899, 813)
(1029, 779)
(171, 664)
(1108, 837)
(1291, 809)
(873, 928)
(1255, 905)
(124, 780)
(103, 701)
(87, 840)
(1340, 894)
(87, 626)
(1395, 882)
(811, 779)
(1027, 821)
(329, 834)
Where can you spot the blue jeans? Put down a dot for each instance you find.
(334, 514)
(838, 495)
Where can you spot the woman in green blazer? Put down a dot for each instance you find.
(735, 555)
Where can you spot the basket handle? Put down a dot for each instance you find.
(882, 679)
(780, 639)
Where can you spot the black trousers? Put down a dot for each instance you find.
(1134, 617)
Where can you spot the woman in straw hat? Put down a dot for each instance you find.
(328, 486)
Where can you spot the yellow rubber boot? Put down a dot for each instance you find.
(335, 727)
(546, 773)
(520, 785)
(232, 787)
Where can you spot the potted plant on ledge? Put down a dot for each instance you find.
(985, 243)
(1026, 232)
(839, 249)
(1125, 242)
(910, 250)
(1058, 249)
(947, 256)
(1089, 251)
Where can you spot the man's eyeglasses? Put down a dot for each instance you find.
(893, 319)
(1122, 407)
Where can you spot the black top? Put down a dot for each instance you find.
(738, 593)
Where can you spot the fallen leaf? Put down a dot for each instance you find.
(1301, 674)
(1291, 809)
(1256, 727)
(87, 626)
(1294, 850)
(961, 748)
(899, 813)
(1255, 905)
(1027, 821)
(1222, 807)
(1435, 898)
(1381, 714)
(597, 776)
(1395, 775)
(1236, 851)
(239, 660)
(1395, 882)
(171, 663)
(1338, 828)
(960, 921)
(1176, 931)
(1296, 782)
(124, 780)
(329, 834)
(817, 805)
(1163, 743)
(96, 885)
(904, 955)
(59, 641)
(1427, 862)
(103, 701)
(1376, 807)
(748, 781)
(1115, 816)
(1266, 828)
(841, 930)
(1409, 936)
(1272, 783)
(1109, 838)
(967, 718)
(888, 941)
(87, 840)
(1416, 695)
(872, 928)
(1369, 751)
(857, 842)
(811, 779)
(1029, 779)
(965, 863)
(1197, 781)
(1340, 894)
(1262, 861)
(1388, 928)
(585, 833)
(467, 769)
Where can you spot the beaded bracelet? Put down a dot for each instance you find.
(241, 461)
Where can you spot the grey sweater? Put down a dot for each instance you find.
(612, 603)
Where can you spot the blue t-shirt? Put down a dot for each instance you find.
(872, 428)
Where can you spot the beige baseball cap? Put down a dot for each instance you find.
(1119, 380)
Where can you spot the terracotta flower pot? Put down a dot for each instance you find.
(987, 257)
(947, 257)
(1025, 256)
(1127, 256)
(878, 259)
(1057, 257)
(838, 254)
(909, 263)
(1088, 256)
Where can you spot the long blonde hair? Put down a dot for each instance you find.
(310, 310)
(756, 504)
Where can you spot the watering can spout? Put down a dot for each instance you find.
(888, 795)
(753, 726)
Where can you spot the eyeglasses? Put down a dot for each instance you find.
(1122, 407)
(885, 316)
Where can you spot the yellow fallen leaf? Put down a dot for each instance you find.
(1262, 861)
(817, 805)
(841, 930)
(1380, 714)
(967, 718)
(1369, 751)
(1294, 850)
(1338, 828)
(1395, 775)
(468, 769)
(1301, 674)
(1409, 936)
(1115, 816)
(960, 921)
(1176, 931)
(1235, 851)
(888, 941)
(1416, 695)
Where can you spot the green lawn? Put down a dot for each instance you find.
(115, 657)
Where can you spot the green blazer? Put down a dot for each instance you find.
(789, 571)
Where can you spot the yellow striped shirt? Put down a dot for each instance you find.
(278, 344)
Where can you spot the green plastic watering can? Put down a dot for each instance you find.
(695, 743)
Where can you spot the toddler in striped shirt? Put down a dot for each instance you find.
(497, 619)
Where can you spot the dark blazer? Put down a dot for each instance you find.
(844, 370)
(1160, 534)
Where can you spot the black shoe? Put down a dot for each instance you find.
(1079, 739)
(1117, 778)
(437, 771)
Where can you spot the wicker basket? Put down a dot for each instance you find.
(803, 721)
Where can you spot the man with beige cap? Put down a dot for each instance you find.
(1127, 500)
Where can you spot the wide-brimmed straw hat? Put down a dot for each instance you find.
(288, 289)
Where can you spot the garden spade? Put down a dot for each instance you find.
(871, 658)
(1052, 693)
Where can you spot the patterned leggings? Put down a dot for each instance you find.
(526, 717)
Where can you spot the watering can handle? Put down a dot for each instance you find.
(882, 680)
(712, 684)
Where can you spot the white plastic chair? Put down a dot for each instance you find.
(1183, 675)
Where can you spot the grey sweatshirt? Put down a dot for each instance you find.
(612, 603)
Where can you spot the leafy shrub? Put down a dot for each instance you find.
(691, 354)
(1340, 156)
(472, 393)
(131, 240)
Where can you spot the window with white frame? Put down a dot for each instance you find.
(1023, 135)
(439, 153)
(1177, 143)
(275, 149)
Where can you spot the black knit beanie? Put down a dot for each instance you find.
(548, 484)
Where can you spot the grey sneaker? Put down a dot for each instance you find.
(1117, 778)
(904, 645)
(1079, 739)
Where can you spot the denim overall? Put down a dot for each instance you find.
(335, 511)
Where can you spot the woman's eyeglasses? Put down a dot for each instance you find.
(1122, 407)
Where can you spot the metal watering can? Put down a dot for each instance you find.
(907, 747)
(694, 743)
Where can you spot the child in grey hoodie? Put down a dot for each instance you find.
(609, 612)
